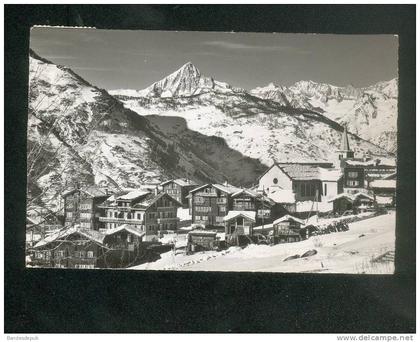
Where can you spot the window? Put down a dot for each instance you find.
(222, 208)
(353, 174)
(199, 199)
(90, 254)
(275, 180)
(325, 189)
(203, 209)
(138, 216)
(352, 183)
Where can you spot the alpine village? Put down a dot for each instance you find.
(107, 229)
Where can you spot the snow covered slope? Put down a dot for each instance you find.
(79, 133)
(369, 112)
(353, 251)
(260, 128)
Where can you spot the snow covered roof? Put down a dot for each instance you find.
(235, 213)
(127, 227)
(282, 196)
(151, 198)
(342, 195)
(265, 227)
(250, 192)
(383, 184)
(361, 194)
(230, 189)
(181, 182)
(132, 195)
(87, 233)
(227, 188)
(288, 218)
(329, 175)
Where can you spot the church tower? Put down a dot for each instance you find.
(345, 152)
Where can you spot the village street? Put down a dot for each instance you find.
(352, 251)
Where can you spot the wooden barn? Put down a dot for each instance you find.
(201, 240)
(287, 229)
(124, 243)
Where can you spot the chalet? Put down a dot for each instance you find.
(119, 210)
(249, 200)
(125, 246)
(200, 240)
(179, 189)
(384, 191)
(73, 247)
(210, 203)
(287, 229)
(355, 203)
(82, 206)
(149, 212)
(310, 182)
(239, 222)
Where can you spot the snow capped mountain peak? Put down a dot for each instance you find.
(184, 82)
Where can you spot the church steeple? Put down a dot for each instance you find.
(345, 152)
(345, 146)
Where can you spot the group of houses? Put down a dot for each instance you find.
(112, 229)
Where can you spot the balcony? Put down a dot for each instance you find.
(120, 220)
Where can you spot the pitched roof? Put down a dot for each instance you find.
(90, 234)
(235, 213)
(151, 198)
(230, 189)
(312, 164)
(342, 195)
(301, 172)
(132, 195)
(181, 182)
(127, 227)
(250, 192)
(288, 218)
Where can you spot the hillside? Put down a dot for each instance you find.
(79, 133)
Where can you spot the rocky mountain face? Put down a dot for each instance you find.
(185, 125)
(369, 112)
(78, 133)
(271, 126)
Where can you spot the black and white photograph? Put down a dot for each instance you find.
(211, 151)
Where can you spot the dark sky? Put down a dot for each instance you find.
(135, 59)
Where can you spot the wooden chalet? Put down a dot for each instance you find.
(287, 229)
(125, 246)
(346, 202)
(82, 206)
(149, 212)
(239, 222)
(73, 247)
(210, 203)
(266, 209)
(179, 189)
